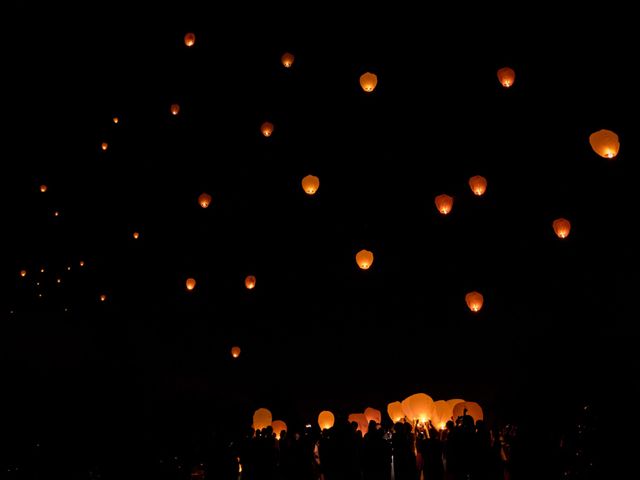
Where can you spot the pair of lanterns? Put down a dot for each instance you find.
(249, 282)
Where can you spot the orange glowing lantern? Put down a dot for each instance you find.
(115, 120)
(478, 185)
(361, 420)
(261, 419)
(506, 76)
(605, 143)
(23, 273)
(420, 406)
(56, 213)
(267, 129)
(190, 39)
(441, 414)
(174, 109)
(136, 235)
(368, 81)
(373, 414)
(250, 282)
(103, 298)
(474, 301)
(104, 146)
(190, 283)
(326, 419)
(287, 59)
(562, 227)
(235, 352)
(364, 259)
(278, 427)
(310, 184)
(43, 188)
(454, 401)
(444, 203)
(82, 263)
(395, 411)
(473, 410)
(204, 200)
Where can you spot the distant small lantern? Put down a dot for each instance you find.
(235, 352)
(116, 120)
(104, 146)
(287, 60)
(310, 184)
(190, 39)
(204, 200)
(191, 283)
(267, 129)
(103, 298)
(250, 282)
(605, 143)
(23, 273)
(56, 213)
(326, 420)
(43, 188)
(82, 263)
(42, 270)
(175, 109)
(478, 185)
(58, 280)
(506, 76)
(364, 259)
(562, 227)
(368, 81)
(474, 301)
(136, 235)
(444, 203)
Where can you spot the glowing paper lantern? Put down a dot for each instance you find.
(605, 143)
(310, 184)
(190, 39)
(103, 297)
(473, 410)
(373, 414)
(361, 420)
(478, 185)
(325, 419)
(506, 76)
(23, 273)
(43, 188)
(261, 419)
(368, 81)
(421, 406)
(82, 263)
(175, 109)
(454, 401)
(191, 283)
(562, 227)
(364, 259)
(115, 120)
(250, 282)
(104, 146)
(136, 235)
(394, 409)
(474, 301)
(444, 203)
(441, 414)
(267, 129)
(235, 352)
(204, 200)
(287, 60)
(278, 426)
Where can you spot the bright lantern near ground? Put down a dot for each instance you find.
(394, 409)
(506, 76)
(310, 184)
(261, 419)
(287, 60)
(278, 427)
(605, 143)
(364, 259)
(562, 227)
(444, 203)
(478, 185)
(190, 283)
(474, 301)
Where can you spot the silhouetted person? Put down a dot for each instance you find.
(376, 455)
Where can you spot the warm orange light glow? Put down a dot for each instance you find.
(104, 146)
(310, 184)
(395, 411)
(326, 420)
(116, 119)
(56, 213)
(42, 270)
(474, 301)
(444, 203)
(103, 297)
(190, 283)
(506, 76)
(267, 129)
(136, 235)
(562, 227)
(204, 200)
(261, 419)
(23, 273)
(478, 185)
(278, 427)
(82, 263)
(287, 60)
(373, 414)
(420, 406)
(473, 410)
(43, 188)
(190, 39)
(58, 280)
(605, 143)
(364, 259)
(441, 413)
(250, 282)
(175, 109)
(235, 352)
(361, 420)
(368, 81)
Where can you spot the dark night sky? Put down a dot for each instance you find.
(316, 333)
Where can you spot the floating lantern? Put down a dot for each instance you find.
(444, 203)
(235, 352)
(190, 283)
(474, 301)
(562, 227)
(395, 411)
(190, 39)
(287, 59)
(23, 273)
(473, 410)
(267, 129)
(325, 419)
(605, 143)
(420, 406)
(115, 120)
(478, 185)
(43, 188)
(82, 263)
(441, 414)
(103, 298)
(250, 282)
(506, 76)
(364, 259)
(373, 414)
(310, 184)
(368, 81)
(361, 420)
(136, 235)
(104, 146)
(261, 419)
(278, 427)
(175, 109)
(204, 200)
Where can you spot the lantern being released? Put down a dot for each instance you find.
(190, 283)
(474, 301)
(373, 414)
(175, 109)
(190, 39)
(364, 259)
(310, 184)
(267, 129)
(278, 427)
(472, 409)
(420, 406)
(235, 352)
(506, 76)
(325, 419)
(478, 185)
(562, 227)
(261, 419)
(368, 81)
(444, 203)
(250, 282)
(395, 411)
(204, 200)
(287, 60)
(605, 143)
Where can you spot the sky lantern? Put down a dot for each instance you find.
(82, 263)
(23, 273)
(43, 188)
(174, 109)
(373, 414)
(310, 184)
(287, 59)
(261, 419)
(394, 409)
(250, 282)
(235, 352)
(364, 259)
(506, 76)
(605, 143)
(454, 401)
(278, 426)
(104, 146)
(421, 406)
(103, 298)
(474, 301)
(136, 235)
(325, 419)
(267, 129)
(444, 203)
(115, 120)
(473, 410)
(368, 81)
(204, 200)
(190, 283)
(190, 39)
(56, 213)
(361, 420)
(478, 185)
(562, 227)
(441, 414)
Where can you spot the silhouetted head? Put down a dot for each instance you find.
(450, 425)
(373, 426)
